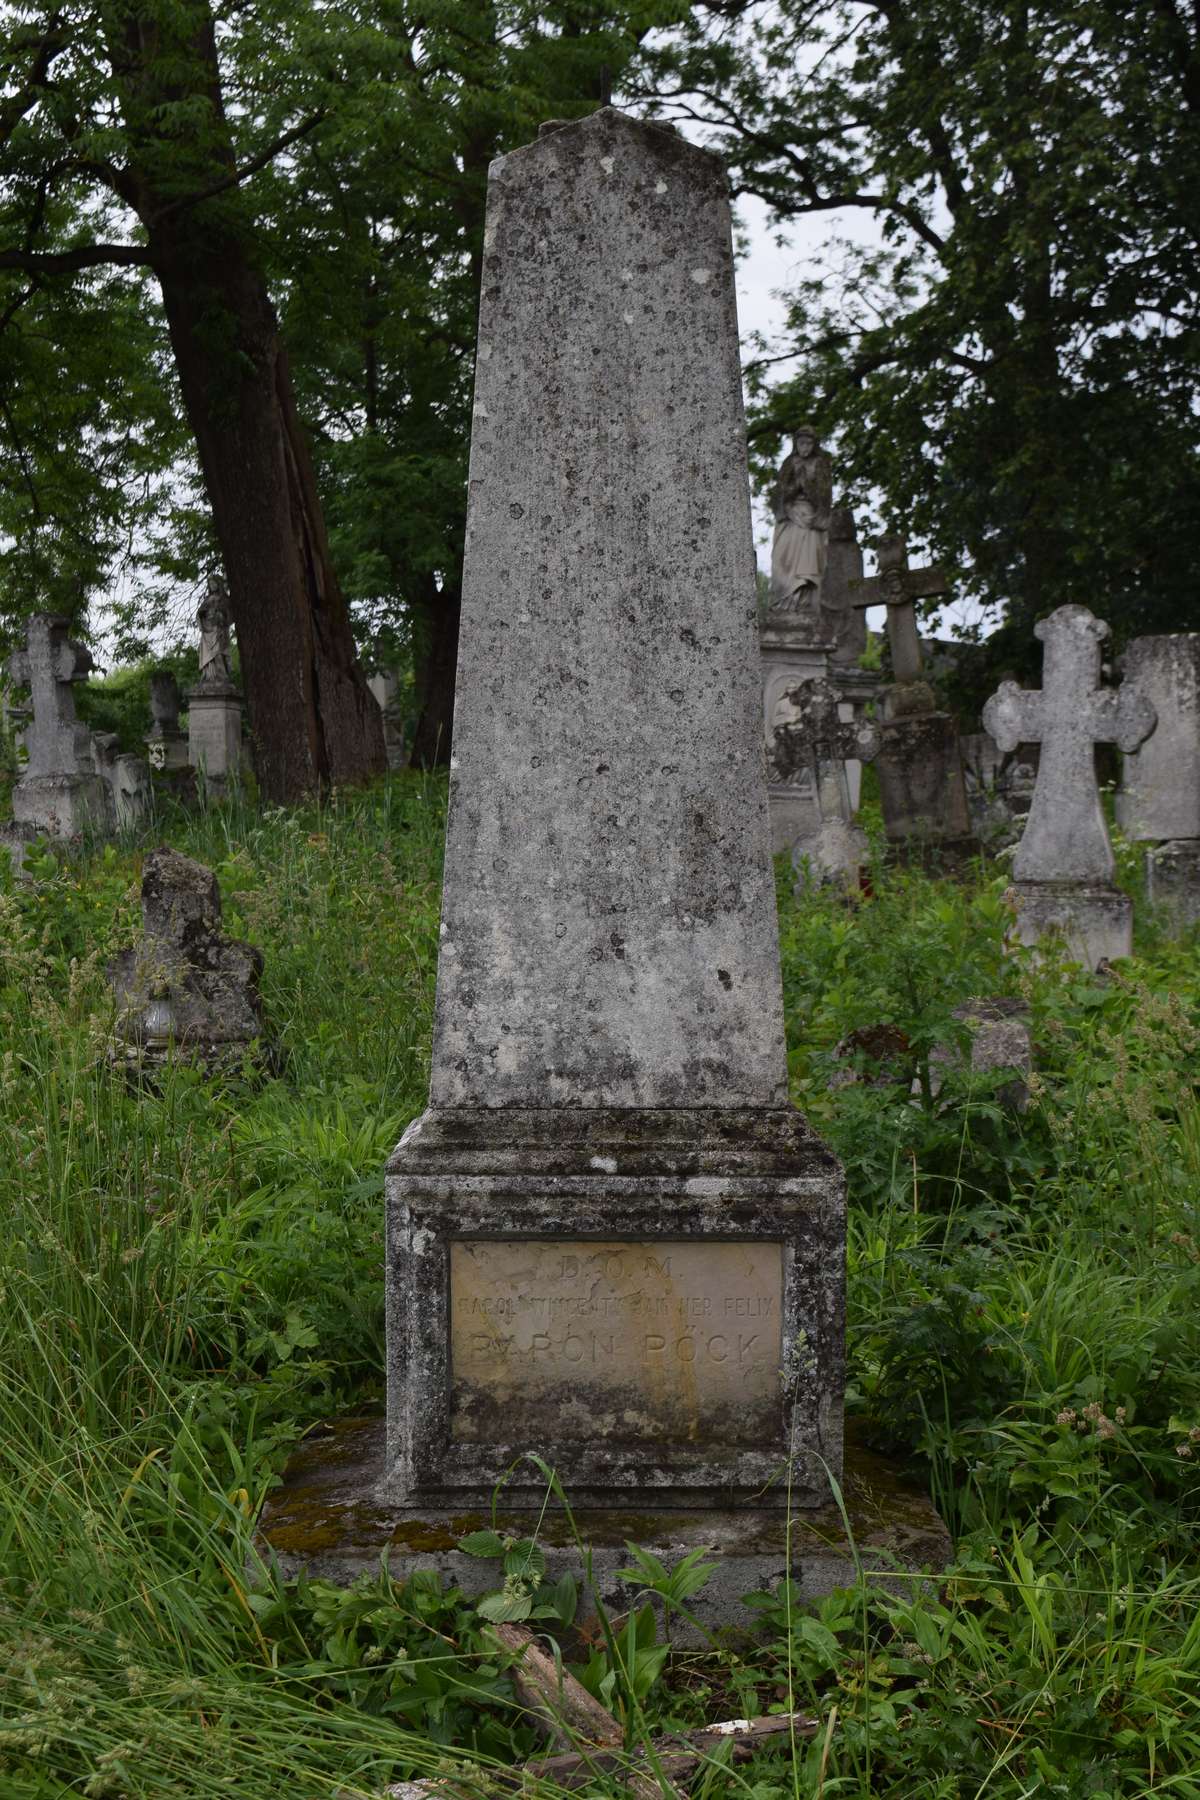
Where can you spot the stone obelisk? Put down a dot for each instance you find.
(611, 1240)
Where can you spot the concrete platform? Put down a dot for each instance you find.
(330, 1520)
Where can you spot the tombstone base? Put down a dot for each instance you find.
(167, 753)
(1094, 923)
(1173, 879)
(795, 817)
(333, 1520)
(833, 856)
(60, 806)
(650, 1298)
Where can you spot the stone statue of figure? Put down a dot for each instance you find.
(213, 619)
(803, 505)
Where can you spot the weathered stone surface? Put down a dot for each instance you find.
(734, 1182)
(166, 743)
(788, 661)
(608, 923)
(608, 1058)
(215, 621)
(186, 987)
(215, 737)
(1064, 866)
(897, 587)
(921, 790)
(336, 1515)
(1000, 1040)
(843, 568)
(1094, 923)
(214, 704)
(811, 747)
(60, 792)
(127, 778)
(1159, 796)
(1173, 879)
(802, 502)
(1065, 837)
(922, 793)
(385, 687)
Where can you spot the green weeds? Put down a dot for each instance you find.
(190, 1277)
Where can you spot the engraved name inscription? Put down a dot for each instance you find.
(663, 1342)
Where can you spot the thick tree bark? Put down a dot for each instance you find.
(311, 714)
(437, 666)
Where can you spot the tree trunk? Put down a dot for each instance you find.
(436, 669)
(311, 714)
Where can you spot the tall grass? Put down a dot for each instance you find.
(191, 1275)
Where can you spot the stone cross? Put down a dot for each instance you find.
(1065, 838)
(610, 1238)
(897, 587)
(57, 743)
(813, 744)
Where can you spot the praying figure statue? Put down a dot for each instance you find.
(803, 505)
(213, 619)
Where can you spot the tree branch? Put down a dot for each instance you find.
(237, 176)
(68, 262)
(18, 104)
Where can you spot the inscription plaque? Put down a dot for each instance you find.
(648, 1342)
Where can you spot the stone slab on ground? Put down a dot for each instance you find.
(333, 1518)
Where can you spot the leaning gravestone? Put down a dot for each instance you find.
(1063, 868)
(60, 792)
(611, 1242)
(185, 989)
(1159, 798)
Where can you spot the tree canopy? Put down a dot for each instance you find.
(1010, 356)
(1007, 357)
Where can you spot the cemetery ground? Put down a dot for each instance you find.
(191, 1278)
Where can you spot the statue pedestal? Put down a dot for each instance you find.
(215, 734)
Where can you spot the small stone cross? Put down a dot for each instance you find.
(49, 663)
(811, 743)
(1065, 837)
(897, 586)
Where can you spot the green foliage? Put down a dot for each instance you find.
(1006, 351)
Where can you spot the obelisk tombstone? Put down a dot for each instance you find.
(611, 1241)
